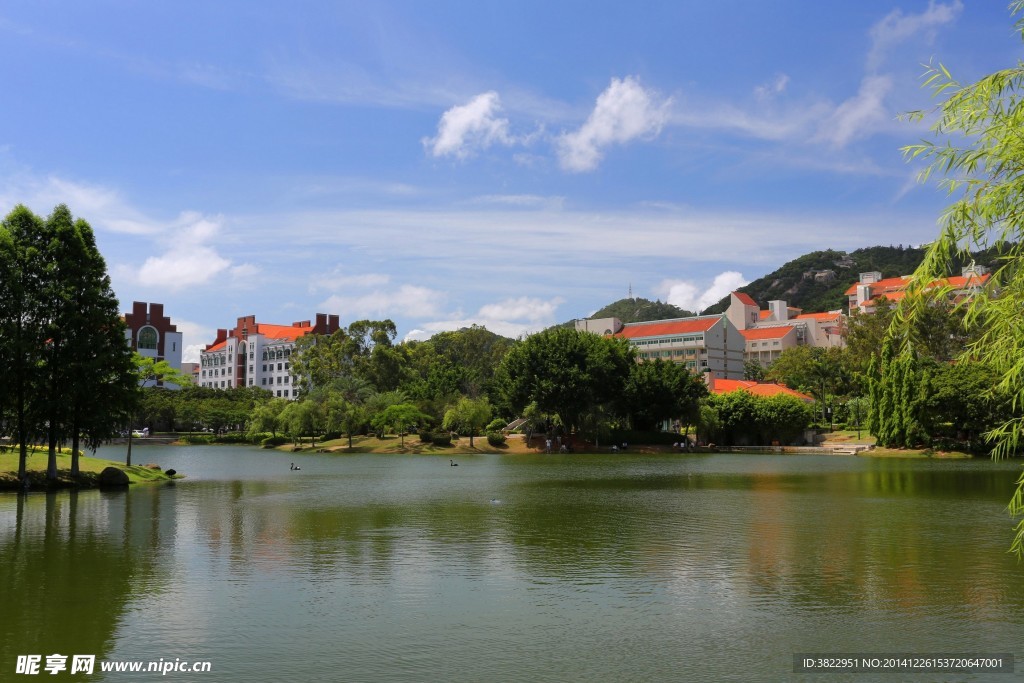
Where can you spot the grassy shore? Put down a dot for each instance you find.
(90, 469)
(392, 444)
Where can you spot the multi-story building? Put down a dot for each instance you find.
(865, 294)
(256, 354)
(152, 335)
(767, 333)
(701, 343)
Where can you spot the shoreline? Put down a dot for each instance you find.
(89, 472)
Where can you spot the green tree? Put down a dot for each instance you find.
(21, 323)
(398, 417)
(980, 152)
(753, 371)
(572, 374)
(468, 416)
(660, 390)
(266, 417)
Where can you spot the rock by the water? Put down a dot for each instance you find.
(112, 477)
(171, 473)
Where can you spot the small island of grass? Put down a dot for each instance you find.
(89, 467)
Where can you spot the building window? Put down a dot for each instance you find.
(278, 380)
(286, 365)
(222, 384)
(286, 393)
(264, 355)
(252, 356)
(250, 381)
(147, 338)
(278, 392)
(204, 373)
(250, 369)
(286, 379)
(287, 353)
(278, 365)
(264, 381)
(174, 346)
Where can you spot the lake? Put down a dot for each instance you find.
(713, 567)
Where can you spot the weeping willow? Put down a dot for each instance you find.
(977, 152)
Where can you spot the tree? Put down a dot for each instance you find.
(468, 415)
(21, 318)
(399, 417)
(753, 371)
(147, 372)
(660, 390)
(56, 296)
(266, 417)
(980, 151)
(566, 372)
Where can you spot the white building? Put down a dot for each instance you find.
(152, 335)
(701, 343)
(258, 355)
(767, 333)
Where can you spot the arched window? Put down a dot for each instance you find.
(147, 338)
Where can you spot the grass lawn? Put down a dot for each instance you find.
(90, 468)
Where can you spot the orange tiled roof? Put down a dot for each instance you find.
(725, 386)
(282, 331)
(745, 299)
(764, 314)
(217, 347)
(887, 284)
(767, 332)
(893, 284)
(659, 329)
(820, 317)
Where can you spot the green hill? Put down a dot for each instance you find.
(637, 310)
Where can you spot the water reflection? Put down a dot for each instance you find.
(598, 569)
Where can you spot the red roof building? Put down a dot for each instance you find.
(256, 354)
(865, 294)
(725, 386)
(701, 343)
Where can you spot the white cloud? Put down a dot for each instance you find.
(194, 338)
(897, 27)
(522, 308)
(531, 201)
(688, 295)
(625, 111)
(468, 128)
(102, 207)
(774, 87)
(338, 279)
(408, 300)
(512, 318)
(188, 259)
(860, 115)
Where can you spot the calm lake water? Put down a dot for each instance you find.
(515, 568)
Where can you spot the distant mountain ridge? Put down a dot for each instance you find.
(817, 282)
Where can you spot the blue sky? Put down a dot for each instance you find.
(510, 164)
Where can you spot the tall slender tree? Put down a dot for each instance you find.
(21, 318)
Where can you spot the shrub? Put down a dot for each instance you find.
(425, 436)
(496, 425)
(272, 441)
(198, 439)
(442, 439)
(330, 436)
(496, 439)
